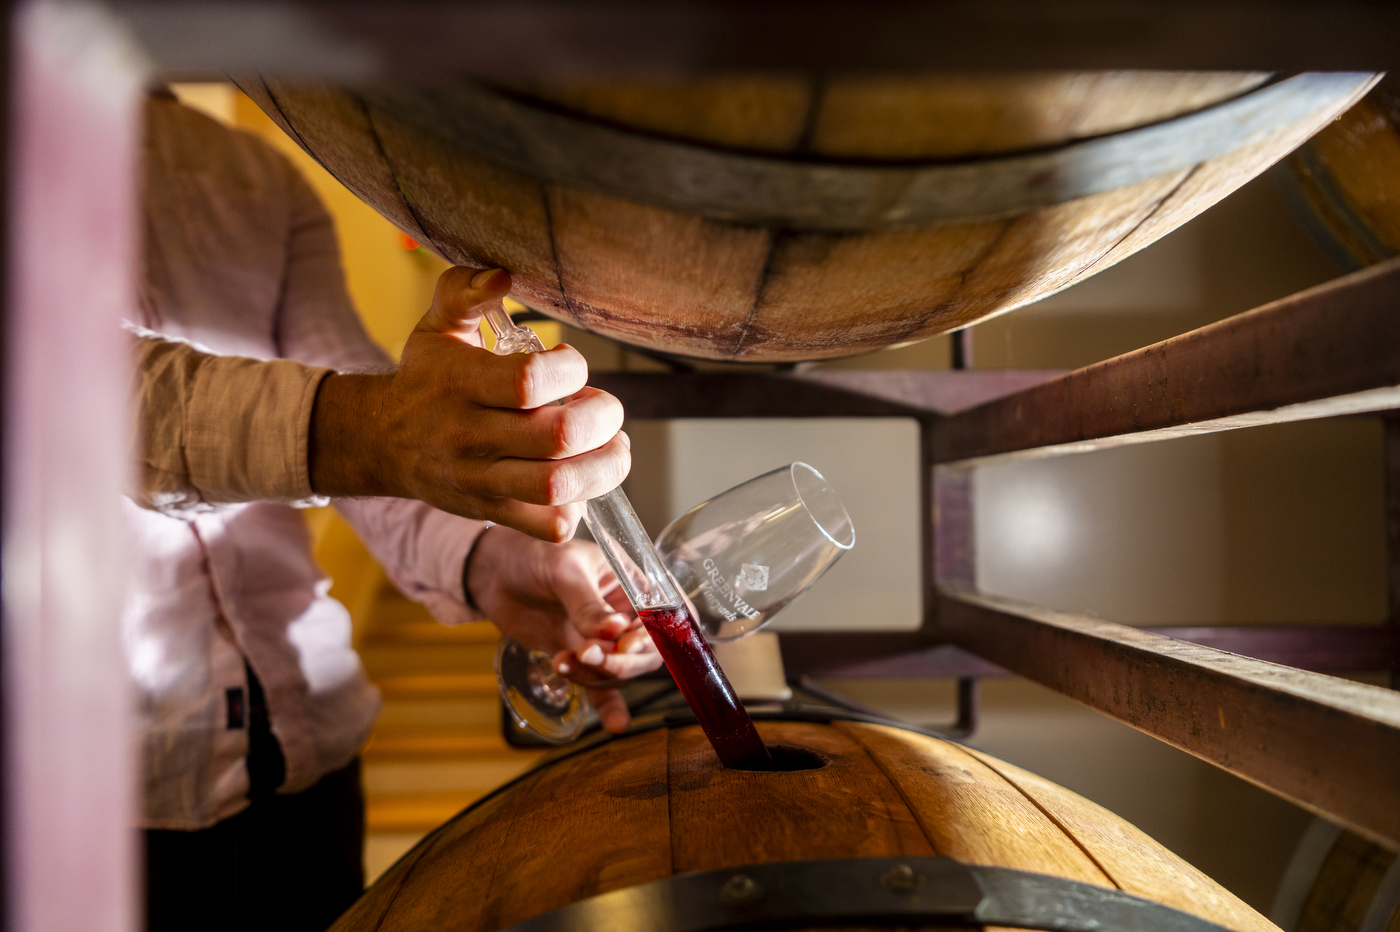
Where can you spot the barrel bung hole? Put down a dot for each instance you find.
(789, 759)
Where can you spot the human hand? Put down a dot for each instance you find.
(563, 599)
(468, 431)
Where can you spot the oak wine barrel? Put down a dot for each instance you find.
(1346, 180)
(870, 826)
(773, 218)
(1339, 882)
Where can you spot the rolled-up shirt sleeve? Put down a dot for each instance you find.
(220, 429)
(224, 429)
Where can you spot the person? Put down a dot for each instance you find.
(258, 391)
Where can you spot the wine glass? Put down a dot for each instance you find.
(739, 559)
(743, 555)
(556, 709)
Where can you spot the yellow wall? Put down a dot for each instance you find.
(390, 285)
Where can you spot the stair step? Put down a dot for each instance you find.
(476, 775)
(470, 713)
(415, 812)
(435, 745)
(383, 661)
(392, 607)
(438, 686)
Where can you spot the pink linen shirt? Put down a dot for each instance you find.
(241, 264)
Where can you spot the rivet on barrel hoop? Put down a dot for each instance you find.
(739, 890)
(902, 879)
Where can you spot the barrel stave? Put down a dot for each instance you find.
(956, 116)
(968, 810)
(1131, 859)
(473, 211)
(652, 276)
(585, 825)
(893, 117)
(334, 127)
(845, 809)
(755, 112)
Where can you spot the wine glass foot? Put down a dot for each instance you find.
(542, 702)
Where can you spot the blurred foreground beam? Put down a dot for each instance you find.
(425, 39)
(1330, 745)
(1330, 350)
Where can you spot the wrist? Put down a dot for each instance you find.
(467, 565)
(344, 455)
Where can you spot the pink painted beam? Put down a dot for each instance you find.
(70, 788)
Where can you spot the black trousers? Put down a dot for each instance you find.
(284, 864)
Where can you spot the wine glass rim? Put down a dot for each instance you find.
(834, 497)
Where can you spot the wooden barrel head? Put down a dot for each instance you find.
(652, 805)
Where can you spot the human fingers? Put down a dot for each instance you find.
(554, 524)
(461, 297)
(636, 640)
(559, 482)
(611, 709)
(527, 380)
(585, 422)
(576, 576)
(597, 664)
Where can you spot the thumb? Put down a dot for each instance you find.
(462, 295)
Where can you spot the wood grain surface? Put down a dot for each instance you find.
(1326, 351)
(1130, 859)
(968, 810)
(847, 809)
(1349, 176)
(1326, 743)
(1347, 887)
(895, 116)
(670, 280)
(585, 825)
(644, 807)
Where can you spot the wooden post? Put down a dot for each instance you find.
(1330, 745)
(1323, 352)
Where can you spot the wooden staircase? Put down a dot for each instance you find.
(437, 746)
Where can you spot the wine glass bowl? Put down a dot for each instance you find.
(743, 555)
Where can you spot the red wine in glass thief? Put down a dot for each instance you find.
(705, 688)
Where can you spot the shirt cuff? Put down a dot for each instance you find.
(248, 428)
